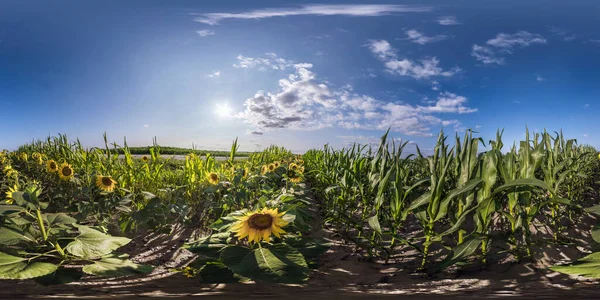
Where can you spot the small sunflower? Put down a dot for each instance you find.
(264, 169)
(51, 166)
(9, 194)
(66, 172)
(259, 225)
(272, 167)
(7, 169)
(293, 166)
(213, 178)
(23, 156)
(105, 183)
(276, 164)
(2, 159)
(145, 158)
(37, 157)
(245, 172)
(294, 176)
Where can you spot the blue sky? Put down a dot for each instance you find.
(295, 73)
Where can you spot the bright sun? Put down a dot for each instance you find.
(223, 110)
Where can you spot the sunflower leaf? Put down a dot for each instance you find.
(14, 267)
(275, 263)
(115, 266)
(91, 243)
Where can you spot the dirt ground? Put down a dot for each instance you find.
(342, 274)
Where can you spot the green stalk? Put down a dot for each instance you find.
(41, 223)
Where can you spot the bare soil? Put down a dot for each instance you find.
(344, 273)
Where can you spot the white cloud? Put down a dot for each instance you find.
(448, 20)
(449, 103)
(540, 78)
(205, 33)
(146, 126)
(521, 38)
(382, 49)
(585, 135)
(271, 61)
(563, 33)
(372, 10)
(586, 106)
(215, 74)
(486, 55)
(304, 102)
(477, 126)
(516, 101)
(503, 44)
(425, 68)
(419, 38)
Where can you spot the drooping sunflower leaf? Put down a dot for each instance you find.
(91, 243)
(61, 276)
(14, 267)
(275, 263)
(209, 246)
(115, 266)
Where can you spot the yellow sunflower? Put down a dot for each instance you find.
(264, 169)
(245, 172)
(66, 172)
(213, 178)
(276, 164)
(294, 176)
(38, 158)
(2, 159)
(7, 169)
(23, 156)
(51, 166)
(272, 167)
(293, 166)
(259, 225)
(105, 183)
(9, 194)
(145, 158)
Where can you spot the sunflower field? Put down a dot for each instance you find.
(68, 212)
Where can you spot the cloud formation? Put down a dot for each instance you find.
(305, 103)
(447, 20)
(503, 44)
(205, 33)
(425, 68)
(421, 39)
(368, 10)
(271, 61)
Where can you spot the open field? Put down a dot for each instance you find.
(357, 222)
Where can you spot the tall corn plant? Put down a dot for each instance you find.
(433, 206)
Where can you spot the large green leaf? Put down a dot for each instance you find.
(115, 266)
(91, 243)
(58, 219)
(209, 246)
(588, 266)
(275, 263)
(12, 236)
(461, 251)
(61, 276)
(596, 233)
(13, 267)
(524, 182)
(216, 272)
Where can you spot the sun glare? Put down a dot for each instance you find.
(223, 110)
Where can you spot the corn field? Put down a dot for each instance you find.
(68, 210)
